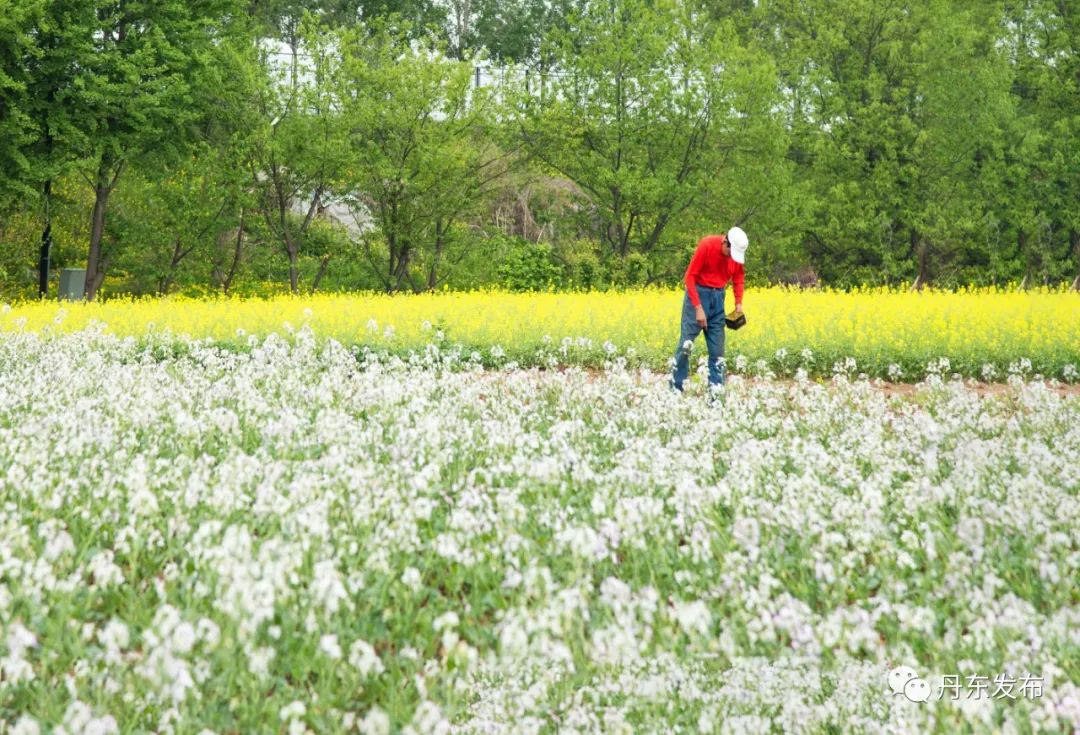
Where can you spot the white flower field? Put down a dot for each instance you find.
(303, 538)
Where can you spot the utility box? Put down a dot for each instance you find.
(72, 284)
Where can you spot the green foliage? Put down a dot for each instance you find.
(165, 223)
(641, 121)
(857, 142)
(420, 148)
(529, 267)
(296, 150)
(513, 30)
(16, 125)
(583, 265)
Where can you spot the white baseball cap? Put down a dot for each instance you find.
(737, 241)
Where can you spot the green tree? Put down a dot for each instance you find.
(423, 150)
(298, 148)
(959, 106)
(182, 217)
(113, 87)
(889, 106)
(511, 31)
(16, 125)
(657, 114)
(281, 19)
(52, 70)
(1036, 181)
(171, 219)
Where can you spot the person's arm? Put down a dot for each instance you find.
(691, 286)
(737, 281)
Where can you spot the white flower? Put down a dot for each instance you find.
(747, 532)
(183, 637)
(59, 545)
(446, 620)
(300, 481)
(79, 718)
(512, 579)
(103, 569)
(292, 711)
(25, 725)
(693, 617)
(114, 637)
(328, 644)
(259, 660)
(411, 578)
(428, 720)
(20, 640)
(328, 589)
(375, 722)
(364, 659)
(143, 503)
(208, 632)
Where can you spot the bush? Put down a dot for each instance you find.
(633, 270)
(529, 267)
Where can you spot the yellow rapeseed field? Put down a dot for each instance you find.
(981, 332)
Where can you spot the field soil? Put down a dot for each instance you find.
(902, 390)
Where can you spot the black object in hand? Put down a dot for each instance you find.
(736, 322)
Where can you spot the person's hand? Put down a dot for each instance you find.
(738, 308)
(699, 314)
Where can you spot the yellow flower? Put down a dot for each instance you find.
(876, 326)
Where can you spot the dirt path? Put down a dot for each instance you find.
(902, 390)
(907, 390)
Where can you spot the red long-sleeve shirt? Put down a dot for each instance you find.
(710, 267)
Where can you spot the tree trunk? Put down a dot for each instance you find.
(103, 186)
(401, 271)
(97, 230)
(46, 244)
(1074, 237)
(432, 279)
(321, 273)
(294, 267)
(234, 267)
(170, 274)
(391, 248)
(1021, 245)
(614, 231)
(400, 255)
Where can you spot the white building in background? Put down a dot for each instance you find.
(352, 216)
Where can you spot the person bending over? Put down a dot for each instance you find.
(717, 262)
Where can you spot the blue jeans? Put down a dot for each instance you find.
(712, 300)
